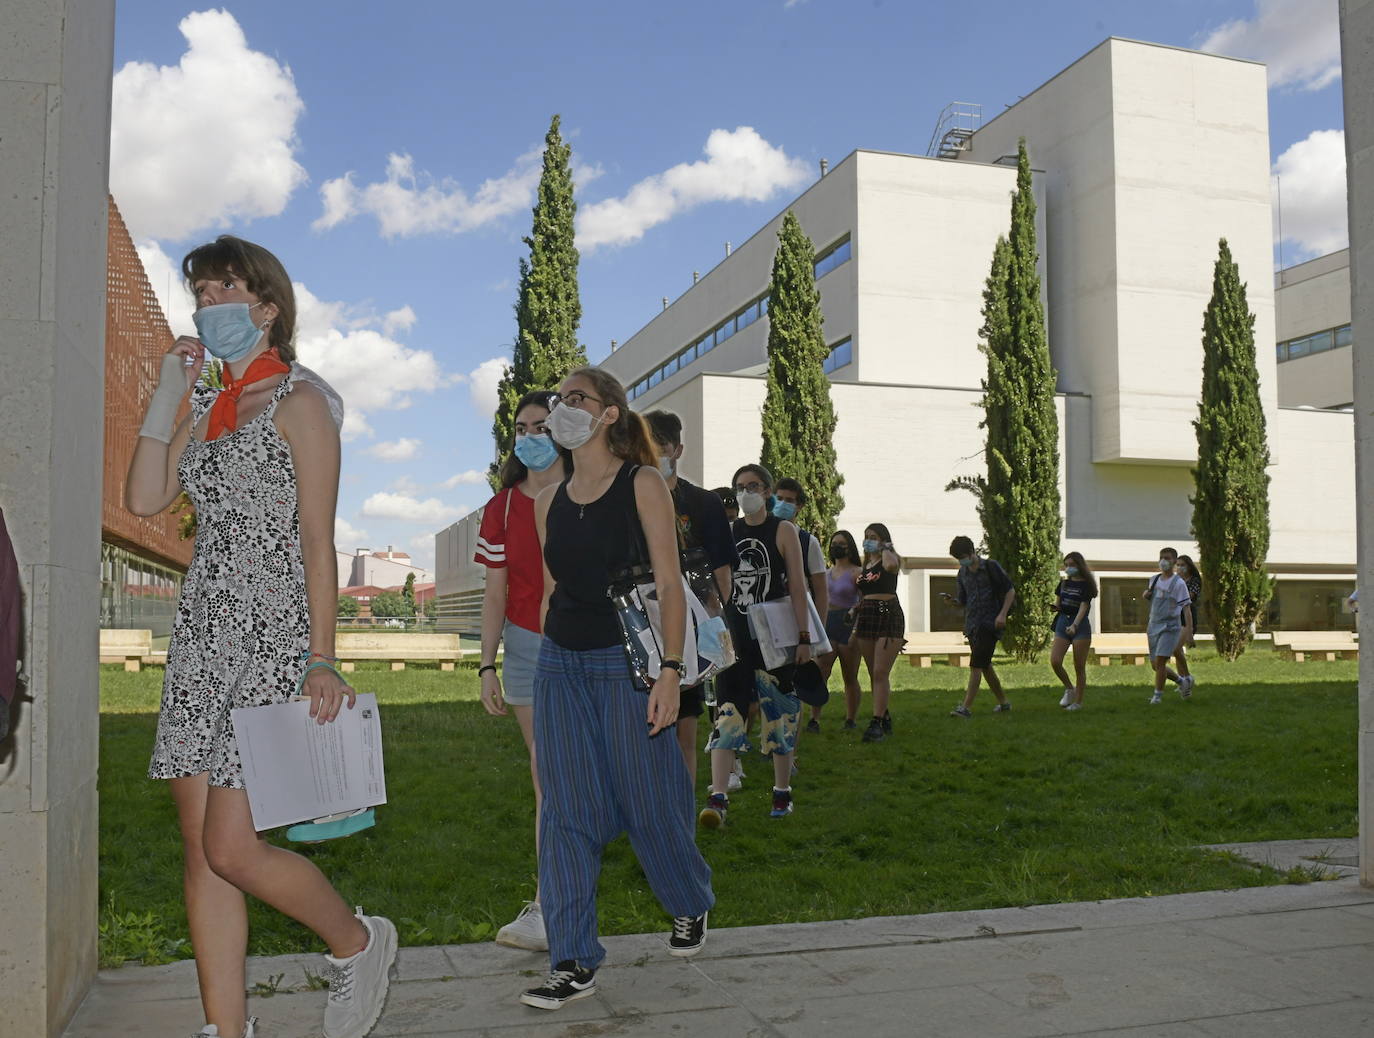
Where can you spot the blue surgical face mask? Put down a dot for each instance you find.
(537, 451)
(1166, 566)
(966, 563)
(1071, 571)
(871, 547)
(784, 509)
(227, 330)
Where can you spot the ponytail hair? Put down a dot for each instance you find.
(628, 438)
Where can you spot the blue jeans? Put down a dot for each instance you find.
(602, 775)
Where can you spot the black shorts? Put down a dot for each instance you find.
(693, 702)
(735, 685)
(983, 642)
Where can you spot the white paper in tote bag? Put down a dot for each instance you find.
(296, 770)
(775, 626)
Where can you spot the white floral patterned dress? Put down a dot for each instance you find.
(242, 623)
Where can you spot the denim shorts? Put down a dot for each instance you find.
(1083, 630)
(518, 664)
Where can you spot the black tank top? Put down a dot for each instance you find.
(875, 580)
(761, 575)
(583, 546)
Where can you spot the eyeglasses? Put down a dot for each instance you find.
(576, 399)
(749, 488)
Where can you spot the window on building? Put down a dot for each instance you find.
(655, 378)
(747, 316)
(1343, 335)
(840, 354)
(670, 368)
(724, 331)
(1319, 343)
(705, 345)
(945, 615)
(1121, 609)
(1281, 352)
(763, 306)
(1308, 605)
(829, 259)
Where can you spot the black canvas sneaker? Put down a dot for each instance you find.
(689, 934)
(567, 983)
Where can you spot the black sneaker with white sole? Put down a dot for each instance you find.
(567, 983)
(688, 936)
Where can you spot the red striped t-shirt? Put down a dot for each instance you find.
(512, 544)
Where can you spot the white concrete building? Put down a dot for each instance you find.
(381, 568)
(1145, 157)
(1312, 318)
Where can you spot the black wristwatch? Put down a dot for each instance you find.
(803, 637)
(674, 665)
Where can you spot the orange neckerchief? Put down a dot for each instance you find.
(224, 412)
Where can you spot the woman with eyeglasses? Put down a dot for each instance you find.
(770, 569)
(879, 624)
(842, 582)
(508, 546)
(608, 762)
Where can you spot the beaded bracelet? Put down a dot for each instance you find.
(300, 683)
(311, 655)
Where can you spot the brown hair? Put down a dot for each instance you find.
(1084, 570)
(262, 274)
(628, 437)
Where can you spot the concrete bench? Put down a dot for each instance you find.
(1300, 646)
(922, 646)
(1132, 648)
(397, 648)
(126, 646)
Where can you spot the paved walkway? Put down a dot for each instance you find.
(1267, 961)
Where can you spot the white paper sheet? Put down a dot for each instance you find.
(774, 625)
(296, 770)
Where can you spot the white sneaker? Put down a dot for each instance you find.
(733, 784)
(211, 1031)
(526, 930)
(1066, 698)
(358, 984)
(1156, 698)
(1074, 706)
(1185, 686)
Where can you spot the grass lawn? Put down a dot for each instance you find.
(1029, 807)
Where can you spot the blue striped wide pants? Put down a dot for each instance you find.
(602, 775)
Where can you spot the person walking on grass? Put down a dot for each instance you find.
(789, 496)
(770, 569)
(1170, 623)
(701, 527)
(255, 624)
(1072, 627)
(608, 762)
(986, 594)
(1187, 569)
(879, 624)
(842, 593)
(508, 546)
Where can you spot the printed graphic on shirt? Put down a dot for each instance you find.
(754, 578)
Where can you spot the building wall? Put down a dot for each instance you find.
(1314, 297)
(458, 581)
(1320, 380)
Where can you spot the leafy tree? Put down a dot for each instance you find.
(408, 592)
(547, 308)
(432, 607)
(798, 417)
(1231, 507)
(390, 604)
(348, 607)
(1018, 499)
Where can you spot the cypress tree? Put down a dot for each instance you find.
(1018, 499)
(547, 308)
(798, 417)
(1231, 506)
(408, 592)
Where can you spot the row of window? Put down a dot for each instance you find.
(1320, 342)
(826, 261)
(840, 354)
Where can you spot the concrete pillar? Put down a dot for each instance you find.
(1357, 60)
(55, 71)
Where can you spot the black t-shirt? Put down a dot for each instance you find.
(702, 524)
(584, 545)
(1073, 593)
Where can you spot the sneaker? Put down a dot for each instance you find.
(733, 784)
(358, 984)
(739, 769)
(211, 1031)
(526, 930)
(782, 803)
(874, 732)
(849, 724)
(688, 936)
(961, 711)
(1185, 686)
(1001, 708)
(713, 814)
(813, 726)
(887, 723)
(1074, 706)
(1156, 698)
(1066, 698)
(567, 983)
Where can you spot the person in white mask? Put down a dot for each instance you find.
(701, 526)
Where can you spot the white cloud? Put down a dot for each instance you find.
(483, 382)
(347, 536)
(207, 141)
(407, 203)
(384, 505)
(395, 450)
(165, 277)
(739, 166)
(400, 320)
(1313, 191)
(371, 370)
(422, 551)
(470, 478)
(1298, 39)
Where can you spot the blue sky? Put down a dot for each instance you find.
(389, 160)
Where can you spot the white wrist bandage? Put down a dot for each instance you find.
(161, 419)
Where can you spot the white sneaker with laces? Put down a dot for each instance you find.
(211, 1031)
(733, 785)
(526, 930)
(1066, 698)
(1156, 698)
(1074, 706)
(358, 985)
(1185, 686)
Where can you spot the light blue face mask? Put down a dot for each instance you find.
(965, 563)
(784, 509)
(227, 331)
(871, 547)
(537, 452)
(1071, 571)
